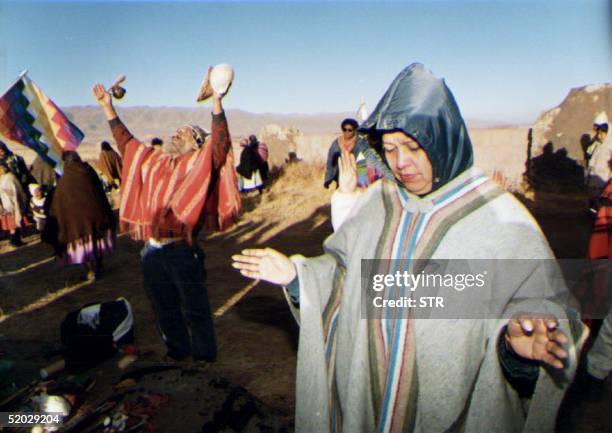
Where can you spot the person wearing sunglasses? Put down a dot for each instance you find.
(350, 142)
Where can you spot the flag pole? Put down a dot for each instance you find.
(23, 74)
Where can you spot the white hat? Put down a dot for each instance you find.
(601, 118)
(33, 187)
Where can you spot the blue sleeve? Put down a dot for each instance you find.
(331, 170)
(293, 288)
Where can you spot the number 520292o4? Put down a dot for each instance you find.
(29, 419)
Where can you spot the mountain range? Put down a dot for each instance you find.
(147, 122)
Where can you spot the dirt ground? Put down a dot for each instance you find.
(256, 334)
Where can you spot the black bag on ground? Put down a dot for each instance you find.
(93, 332)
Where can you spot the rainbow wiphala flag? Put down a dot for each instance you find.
(29, 117)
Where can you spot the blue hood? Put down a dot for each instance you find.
(420, 105)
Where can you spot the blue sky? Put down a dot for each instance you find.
(503, 60)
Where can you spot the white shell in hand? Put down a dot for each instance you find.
(221, 77)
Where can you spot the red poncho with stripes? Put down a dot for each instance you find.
(166, 195)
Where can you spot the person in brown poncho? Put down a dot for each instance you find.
(110, 164)
(81, 224)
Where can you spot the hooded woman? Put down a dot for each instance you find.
(251, 165)
(110, 164)
(418, 370)
(81, 224)
(13, 203)
(262, 152)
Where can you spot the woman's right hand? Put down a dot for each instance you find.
(265, 264)
(347, 177)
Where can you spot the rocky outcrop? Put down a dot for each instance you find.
(560, 136)
(564, 126)
(281, 141)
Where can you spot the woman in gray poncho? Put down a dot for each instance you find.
(396, 371)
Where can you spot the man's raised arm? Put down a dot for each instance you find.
(220, 138)
(121, 134)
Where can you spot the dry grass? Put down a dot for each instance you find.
(295, 191)
(301, 184)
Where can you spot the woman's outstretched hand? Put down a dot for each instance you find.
(538, 339)
(265, 264)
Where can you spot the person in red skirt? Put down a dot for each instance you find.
(12, 205)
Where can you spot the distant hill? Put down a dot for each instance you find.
(147, 122)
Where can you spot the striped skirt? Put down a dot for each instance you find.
(88, 249)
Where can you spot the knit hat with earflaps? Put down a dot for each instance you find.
(199, 134)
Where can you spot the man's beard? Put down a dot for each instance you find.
(181, 146)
